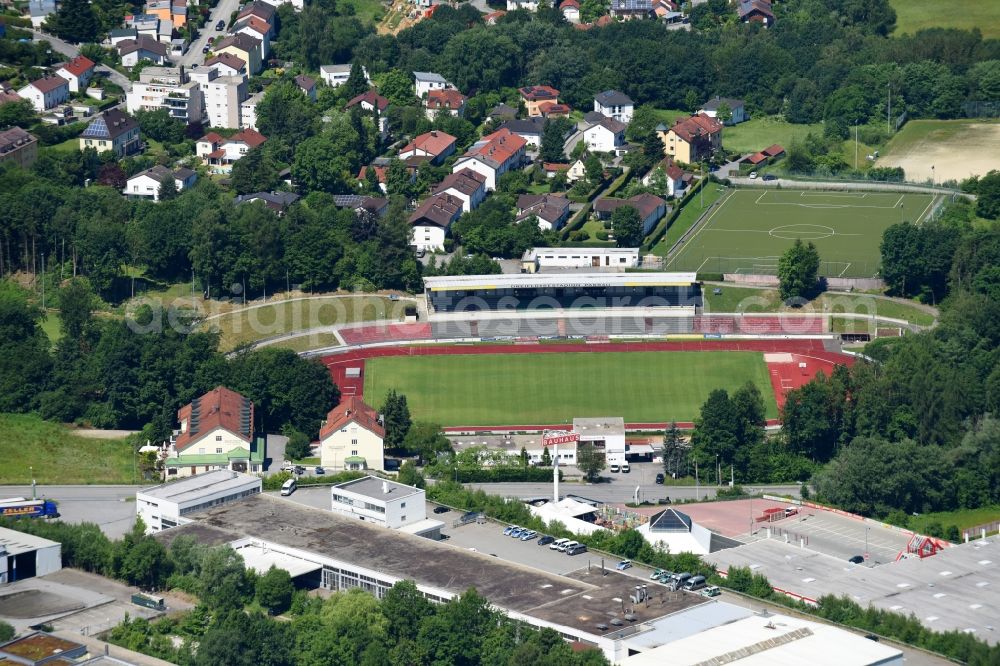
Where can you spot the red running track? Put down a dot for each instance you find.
(784, 376)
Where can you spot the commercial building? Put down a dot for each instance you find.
(26, 556)
(606, 435)
(167, 88)
(386, 504)
(351, 437)
(678, 291)
(112, 131)
(18, 147)
(165, 506)
(570, 258)
(216, 432)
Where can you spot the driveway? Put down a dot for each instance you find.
(222, 12)
(71, 51)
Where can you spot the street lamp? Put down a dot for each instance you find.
(867, 529)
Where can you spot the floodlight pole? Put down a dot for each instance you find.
(856, 146)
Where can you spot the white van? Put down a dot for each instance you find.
(559, 544)
(566, 546)
(694, 583)
(288, 487)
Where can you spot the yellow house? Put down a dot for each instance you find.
(351, 437)
(691, 139)
(243, 46)
(112, 131)
(216, 432)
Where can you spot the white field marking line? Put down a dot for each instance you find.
(762, 195)
(845, 269)
(841, 195)
(896, 205)
(769, 231)
(707, 221)
(921, 216)
(822, 206)
(874, 539)
(754, 259)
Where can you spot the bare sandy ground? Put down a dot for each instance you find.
(971, 152)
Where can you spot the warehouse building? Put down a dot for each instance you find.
(166, 506)
(387, 504)
(538, 259)
(679, 292)
(27, 556)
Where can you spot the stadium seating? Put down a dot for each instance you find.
(385, 333)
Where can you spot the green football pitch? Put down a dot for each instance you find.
(750, 229)
(554, 388)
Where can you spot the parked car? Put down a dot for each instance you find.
(529, 535)
(558, 543)
(711, 591)
(769, 177)
(753, 175)
(623, 565)
(577, 549)
(517, 531)
(510, 528)
(206, 48)
(614, 469)
(441, 509)
(220, 26)
(660, 478)
(656, 574)
(857, 559)
(625, 468)
(299, 469)
(319, 471)
(566, 546)
(546, 540)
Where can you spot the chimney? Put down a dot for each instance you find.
(385, 488)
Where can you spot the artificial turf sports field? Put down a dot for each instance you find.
(750, 229)
(553, 388)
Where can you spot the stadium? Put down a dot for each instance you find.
(522, 352)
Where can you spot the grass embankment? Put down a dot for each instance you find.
(557, 387)
(759, 133)
(749, 299)
(961, 518)
(57, 456)
(914, 15)
(687, 217)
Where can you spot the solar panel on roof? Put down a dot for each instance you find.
(671, 521)
(97, 129)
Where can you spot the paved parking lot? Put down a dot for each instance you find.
(842, 537)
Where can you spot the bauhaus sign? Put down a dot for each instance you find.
(559, 437)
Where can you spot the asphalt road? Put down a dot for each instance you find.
(222, 12)
(110, 507)
(71, 51)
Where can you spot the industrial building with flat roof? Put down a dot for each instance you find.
(165, 506)
(26, 556)
(678, 291)
(385, 503)
(539, 259)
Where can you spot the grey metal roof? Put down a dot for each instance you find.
(379, 489)
(534, 280)
(429, 77)
(613, 98)
(193, 488)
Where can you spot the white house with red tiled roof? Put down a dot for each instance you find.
(494, 155)
(432, 220)
(78, 73)
(216, 431)
(46, 93)
(570, 10)
(435, 144)
(448, 102)
(218, 153)
(372, 102)
(351, 437)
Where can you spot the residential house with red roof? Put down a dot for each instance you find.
(227, 64)
(447, 101)
(257, 28)
(432, 220)
(219, 154)
(216, 431)
(261, 10)
(493, 17)
(246, 48)
(436, 145)
(351, 437)
(494, 155)
(78, 73)
(372, 102)
(673, 177)
(691, 139)
(570, 10)
(535, 95)
(46, 93)
(650, 207)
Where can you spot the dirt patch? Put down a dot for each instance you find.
(36, 603)
(953, 152)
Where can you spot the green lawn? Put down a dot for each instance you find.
(257, 323)
(750, 229)
(367, 11)
(57, 455)
(52, 326)
(309, 342)
(687, 217)
(914, 15)
(669, 116)
(961, 518)
(552, 388)
(759, 133)
(749, 299)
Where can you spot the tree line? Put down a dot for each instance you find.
(135, 372)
